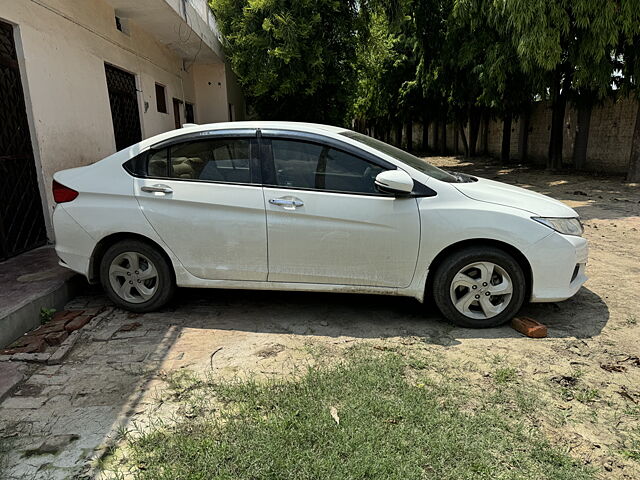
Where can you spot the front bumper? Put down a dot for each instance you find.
(558, 264)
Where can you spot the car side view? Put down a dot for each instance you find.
(294, 206)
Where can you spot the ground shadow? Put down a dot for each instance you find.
(372, 316)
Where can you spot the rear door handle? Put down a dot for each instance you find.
(159, 188)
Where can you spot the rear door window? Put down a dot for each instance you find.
(214, 160)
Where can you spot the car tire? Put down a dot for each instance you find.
(136, 276)
(466, 299)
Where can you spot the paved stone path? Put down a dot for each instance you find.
(60, 420)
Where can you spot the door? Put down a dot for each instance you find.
(204, 200)
(123, 99)
(327, 223)
(22, 224)
(176, 112)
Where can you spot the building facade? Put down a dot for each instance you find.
(81, 79)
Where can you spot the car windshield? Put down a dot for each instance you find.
(404, 157)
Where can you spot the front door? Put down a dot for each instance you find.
(123, 99)
(22, 224)
(327, 223)
(205, 202)
(176, 112)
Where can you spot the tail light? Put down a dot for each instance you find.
(62, 194)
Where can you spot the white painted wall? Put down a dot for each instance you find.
(63, 46)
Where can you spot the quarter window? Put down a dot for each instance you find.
(224, 160)
(312, 166)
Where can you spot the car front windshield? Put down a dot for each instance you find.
(402, 156)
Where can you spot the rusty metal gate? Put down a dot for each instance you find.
(22, 224)
(123, 99)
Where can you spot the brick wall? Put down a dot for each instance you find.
(610, 135)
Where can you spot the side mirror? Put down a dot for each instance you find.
(395, 181)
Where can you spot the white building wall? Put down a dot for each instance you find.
(63, 46)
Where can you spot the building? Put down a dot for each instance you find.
(81, 79)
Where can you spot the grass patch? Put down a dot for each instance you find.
(505, 375)
(393, 421)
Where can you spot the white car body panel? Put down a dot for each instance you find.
(217, 233)
(370, 244)
(342, 238)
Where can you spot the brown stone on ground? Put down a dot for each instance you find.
(11, 351)
(92, 312)
(46, 329)
(129, 327)
(27, 344)
(77, 323)
(529, 327)
(56, 338)
(65, 315)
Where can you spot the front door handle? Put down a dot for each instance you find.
(159, 188)
(287, 203)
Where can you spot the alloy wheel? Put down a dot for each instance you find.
(481, 290)
(133, 277)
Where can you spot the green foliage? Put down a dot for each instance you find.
(371, 417)
(46, 314)
(294, 59)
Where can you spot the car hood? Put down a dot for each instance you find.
(502, 194)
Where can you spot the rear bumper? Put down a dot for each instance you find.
(73, 244)
(558, 264)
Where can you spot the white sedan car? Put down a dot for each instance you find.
(293, 206)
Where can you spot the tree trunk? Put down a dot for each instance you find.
(485, 133)
(456, 139)
(444, 135)
(425, 136)
(523, 138)
(633, 174)
(474, 127)
(410, 136)
(399, 135)
(506, 139)
(436, 137)
(465, 145)
(582, 135)
(559, 106)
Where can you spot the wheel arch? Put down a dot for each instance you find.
(105, 243)
(475, 242)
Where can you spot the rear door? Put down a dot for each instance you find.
(204, 199)
(326, 221)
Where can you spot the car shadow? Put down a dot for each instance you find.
(372, 316)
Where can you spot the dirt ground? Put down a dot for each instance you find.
(121, 376)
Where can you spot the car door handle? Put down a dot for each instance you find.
(286, 202)
(157, 189)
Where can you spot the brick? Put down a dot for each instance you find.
(129, 327)
(31, 344)
(65, 315)
(529, 327)
(56, 338)
(77, 323)
(47, 328)
(11, 351)
(92, 312)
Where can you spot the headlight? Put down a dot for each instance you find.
(567, 226)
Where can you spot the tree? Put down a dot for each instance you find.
(293, 58)
(573, 40)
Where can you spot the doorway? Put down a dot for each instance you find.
(123, 99)
(22, 225)
(177, 103)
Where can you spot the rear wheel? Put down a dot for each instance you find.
(479, 287)
(136, 276)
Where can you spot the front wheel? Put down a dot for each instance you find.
(479, 287)
(136, 276)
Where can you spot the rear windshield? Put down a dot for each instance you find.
(402, 156)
